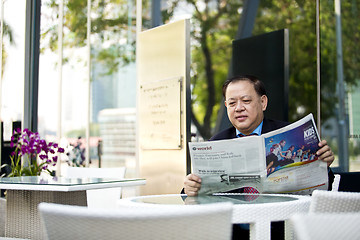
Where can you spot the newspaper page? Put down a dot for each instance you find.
(291, 160)
(229, 164)
(282, 161)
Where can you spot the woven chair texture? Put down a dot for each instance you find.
(22, 215)
(211, 221)
(6, 238)
(258, 215)
(99, 198)
(329, 201)
(2, 216)
(329, 226)
(263, 214)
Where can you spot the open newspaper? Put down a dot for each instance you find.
(281, 161)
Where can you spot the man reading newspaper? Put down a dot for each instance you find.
(246, 100)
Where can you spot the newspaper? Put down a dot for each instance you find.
(281, 161)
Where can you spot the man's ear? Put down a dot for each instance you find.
(264, 102)
(225, 104)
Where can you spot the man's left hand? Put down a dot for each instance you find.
(324, 153)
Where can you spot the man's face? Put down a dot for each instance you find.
(244, 106)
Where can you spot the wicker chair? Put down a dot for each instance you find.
(329, 201)
(210, 221)
(99, 198)
(2, 216)
(3, 219)
(329, 226)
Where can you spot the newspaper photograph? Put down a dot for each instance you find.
(281, 161)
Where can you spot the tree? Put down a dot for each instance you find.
(112, 28)
(214, 27)
(7, 34)
(210, 66)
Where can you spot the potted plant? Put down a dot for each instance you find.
(32, 155)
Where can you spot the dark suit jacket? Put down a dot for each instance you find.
(268, 126)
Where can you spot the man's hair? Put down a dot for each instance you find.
(258, 85)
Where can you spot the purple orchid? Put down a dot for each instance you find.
(29, 145)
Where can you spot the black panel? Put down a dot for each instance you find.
(349, 181)
(266, 56)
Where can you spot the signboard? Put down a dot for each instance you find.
(160, 114)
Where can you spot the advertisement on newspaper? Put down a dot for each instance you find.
(281, 161)
(292, 164)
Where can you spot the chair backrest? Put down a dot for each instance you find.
(210, 221)
(349, 182)
(329, 201)
(99, 198)
(329, 226)
(336, 183)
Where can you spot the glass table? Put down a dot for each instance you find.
(259, 210)
(23, 194)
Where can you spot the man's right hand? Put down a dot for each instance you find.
(192, 185)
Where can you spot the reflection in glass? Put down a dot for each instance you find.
(12, 96)
(330, 107)
(216, 198)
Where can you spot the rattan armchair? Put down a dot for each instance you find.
(329, 226)
(197, 222)
(329, 201)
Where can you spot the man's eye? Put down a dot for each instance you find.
(246, 101)
(231, 104)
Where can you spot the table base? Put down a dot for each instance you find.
(22, 216)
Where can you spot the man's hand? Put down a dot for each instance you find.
(192, 185)
(325, 153)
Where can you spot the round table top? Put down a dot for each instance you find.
(238, 198)
(247, 207)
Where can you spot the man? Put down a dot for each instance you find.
(246, 100)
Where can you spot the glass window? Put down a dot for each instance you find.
(12, 95)
(113, 81)
(74, 72)
(340, 74)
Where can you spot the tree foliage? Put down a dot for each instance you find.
(7, 35)
(214, 25)
(112, 28)
(300, 18)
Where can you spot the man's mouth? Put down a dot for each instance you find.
(241, 118)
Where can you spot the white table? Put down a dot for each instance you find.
(258, 210)
(25, 193)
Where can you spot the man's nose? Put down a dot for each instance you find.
(239, 106)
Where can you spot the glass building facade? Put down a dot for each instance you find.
(87, 80)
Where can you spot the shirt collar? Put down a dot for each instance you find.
(257, 130)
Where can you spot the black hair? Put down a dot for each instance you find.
(258, 84)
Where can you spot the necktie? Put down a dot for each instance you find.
(253, 193)
(250, 190)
